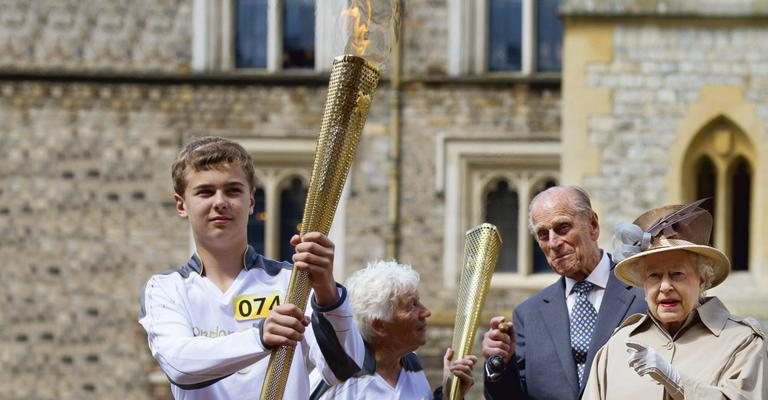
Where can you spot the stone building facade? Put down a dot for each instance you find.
(97, 98)
(677, 111)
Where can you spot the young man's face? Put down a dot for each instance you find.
(217, 203)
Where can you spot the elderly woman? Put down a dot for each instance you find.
(689, 346)
(393, 322)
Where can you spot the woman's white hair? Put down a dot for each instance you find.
(374, 292)
(706, 270)
(705, 267)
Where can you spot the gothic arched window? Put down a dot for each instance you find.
(719, 165)
(502, 208)
(706, 184)
(741, 192)
(257, 221)
(538, 260)
(292, 199)
(504, 199)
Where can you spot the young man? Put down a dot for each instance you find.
(212, 323)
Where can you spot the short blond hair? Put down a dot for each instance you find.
(207, 153)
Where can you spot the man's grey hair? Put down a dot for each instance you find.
(580, 201)
(375, 290)
(705, 267)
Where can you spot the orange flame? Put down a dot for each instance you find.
(360, 41)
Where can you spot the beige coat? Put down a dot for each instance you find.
(718, 356)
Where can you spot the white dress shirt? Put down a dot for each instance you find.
(598, 277)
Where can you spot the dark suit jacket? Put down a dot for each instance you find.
(543, 366)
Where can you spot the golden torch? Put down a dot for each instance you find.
(481, 250)
(352, 83)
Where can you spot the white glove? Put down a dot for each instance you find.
(645, 360)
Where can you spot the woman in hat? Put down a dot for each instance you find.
(688, 346)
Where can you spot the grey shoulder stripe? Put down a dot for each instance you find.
(142, 307)
(185, 270)
(411, 363)
(319, 390)
(253, 259)
(343, 366)
(199, 385)
(369, 362)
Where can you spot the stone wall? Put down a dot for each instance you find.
(657, 72)
(85, 216)
(666, 8)
(93, 35)
(425, 38)
(667, 79)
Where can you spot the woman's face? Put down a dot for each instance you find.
(672, 287)
(408, 329)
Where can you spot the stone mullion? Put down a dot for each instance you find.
(480, 190)
(528, 37)
(272, 224)
(227, 35)
(274, 35)
(722, 202)
(480, 38)
(524, 266)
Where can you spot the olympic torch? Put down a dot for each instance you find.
(352, 83)
(481, 250)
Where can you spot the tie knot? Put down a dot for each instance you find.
(583, 287)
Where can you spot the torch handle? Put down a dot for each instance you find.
(496, 364)
(274, 386)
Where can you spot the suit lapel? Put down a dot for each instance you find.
(617, 299)
(555, 315)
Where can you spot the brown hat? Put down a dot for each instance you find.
(676, 227)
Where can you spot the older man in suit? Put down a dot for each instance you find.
(548, 350)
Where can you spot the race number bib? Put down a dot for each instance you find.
(250, 306)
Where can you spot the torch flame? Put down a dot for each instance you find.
(367, 28)
(360, 40)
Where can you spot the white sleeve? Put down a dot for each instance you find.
(336, 346)
(186, 359)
